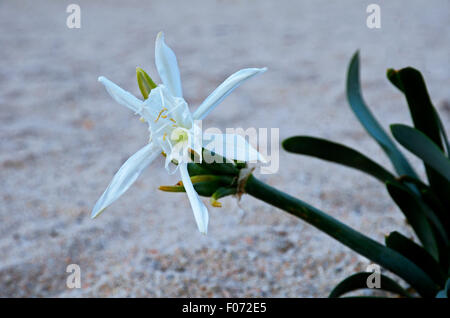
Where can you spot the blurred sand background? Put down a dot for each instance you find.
(63, 138)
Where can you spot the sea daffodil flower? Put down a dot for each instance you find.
(173, 131)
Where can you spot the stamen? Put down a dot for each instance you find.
(164, 137)
(142, 119)
(160, 113)
(172, 120)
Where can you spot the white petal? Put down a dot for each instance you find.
(121, 96)
(167, 66)
(224, 89)
(200, 210)
(232, 146)
(125, 177)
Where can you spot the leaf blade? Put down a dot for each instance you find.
(425, 118)
(409, 204)
(422, 111)
(417, 254)
(423, 147)
(353, 239)
(369, 122)
(334, 152)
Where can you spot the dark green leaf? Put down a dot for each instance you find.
(426, 119)
(355, 240)
(392, 76)
(422, 111)
(359, 281)
(417, 254)
(420, 145)
(411, 207)
(338, 153)
(439, 217)
(369, 122)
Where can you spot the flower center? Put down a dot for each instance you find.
(179, 135)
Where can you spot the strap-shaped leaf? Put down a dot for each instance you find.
(353, 239)
(439, 216)
(334, 152)
(416, 254)
(359, 281)
(422, 146)
(426, 119)
(369, 122)
(414, 212)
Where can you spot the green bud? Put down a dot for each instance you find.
(195, 169)
(145, 82)
(204, 185)
(223, 180)
(206, 189)
(220, 193)
(176, 188)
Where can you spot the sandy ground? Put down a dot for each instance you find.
(63, 138)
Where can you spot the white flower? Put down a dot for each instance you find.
(172, 130)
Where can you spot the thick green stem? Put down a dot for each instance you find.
(355, 240)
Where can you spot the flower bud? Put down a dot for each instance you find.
(145, 82)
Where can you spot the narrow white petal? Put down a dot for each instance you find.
(199, 209)
(232, 146)
(224, 89)
(125, 177)
(167, 66)
(121, 96)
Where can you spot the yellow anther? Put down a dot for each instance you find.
(142, 119)
(160, 113)
(163, 116)
(172, 120)
(216, 204)
(164, 137)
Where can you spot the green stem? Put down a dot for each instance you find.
(355, 240)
